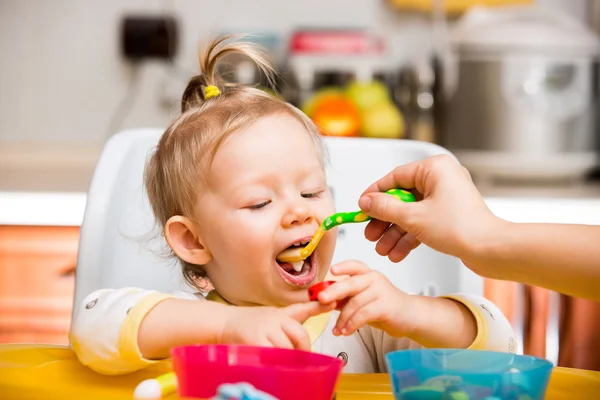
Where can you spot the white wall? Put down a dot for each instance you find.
(61, 76)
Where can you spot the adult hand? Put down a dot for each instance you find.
(450, 215)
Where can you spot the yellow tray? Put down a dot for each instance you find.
(42, 372)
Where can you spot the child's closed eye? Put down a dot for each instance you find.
(314, 195)
(263, 204)
(259, 205)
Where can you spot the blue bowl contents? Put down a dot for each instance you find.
(457, 374)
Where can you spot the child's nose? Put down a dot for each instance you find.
(297, 215)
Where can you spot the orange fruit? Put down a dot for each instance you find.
(337, 116)
(309, 106)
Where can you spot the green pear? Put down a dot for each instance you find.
(382, 120)
(367, 94)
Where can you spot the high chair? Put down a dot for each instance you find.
(120, 244)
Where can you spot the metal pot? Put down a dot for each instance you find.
(521, 101)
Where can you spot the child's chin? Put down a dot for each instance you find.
(293, 297)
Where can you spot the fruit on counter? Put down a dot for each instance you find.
(312, 103)
(337, 116)
(361, 108)
(383, 120)
(367, 94)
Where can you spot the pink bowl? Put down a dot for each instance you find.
(285, 374)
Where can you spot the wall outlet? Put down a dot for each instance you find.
(148, 37)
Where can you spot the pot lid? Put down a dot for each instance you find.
(523, 29)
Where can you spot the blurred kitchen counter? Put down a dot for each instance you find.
(572, 190)
(45, 184)
(43, 167)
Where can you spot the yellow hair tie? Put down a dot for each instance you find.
(211, 91)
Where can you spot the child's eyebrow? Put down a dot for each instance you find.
(256, 180)
(276, 176)
(273, 181)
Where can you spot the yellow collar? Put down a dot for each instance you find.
(314, 325)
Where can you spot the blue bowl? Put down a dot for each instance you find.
(457, 374)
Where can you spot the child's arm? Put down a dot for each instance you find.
(176, 322)
(462, 321)
(459, 321)
(440, 322)
(120, 331)
(108, 332)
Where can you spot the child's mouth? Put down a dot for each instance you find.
(299, 273)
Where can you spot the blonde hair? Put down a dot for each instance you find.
(185, 151)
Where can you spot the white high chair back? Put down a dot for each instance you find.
(121, 246)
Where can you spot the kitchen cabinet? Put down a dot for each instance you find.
(550, 325)
(579, 324)
(37, 282)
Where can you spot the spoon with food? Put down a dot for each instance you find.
(295, 255)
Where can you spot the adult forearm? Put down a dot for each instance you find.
(564, 258)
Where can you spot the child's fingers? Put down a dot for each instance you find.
(356, 305)
(360, 318)
(279, 339)
(263, 342)
(344, 289)
(303, 311)
(297, 335)
(350, 267)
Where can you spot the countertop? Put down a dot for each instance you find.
(49, 168)
(63, 208)
(44, 184)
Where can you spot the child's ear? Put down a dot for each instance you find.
(182, 237)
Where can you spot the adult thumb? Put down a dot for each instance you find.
(303, 311)
(387, 208)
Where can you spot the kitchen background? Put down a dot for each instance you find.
(514, 94)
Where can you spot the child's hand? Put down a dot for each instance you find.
(270, 326)
(372, 300)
